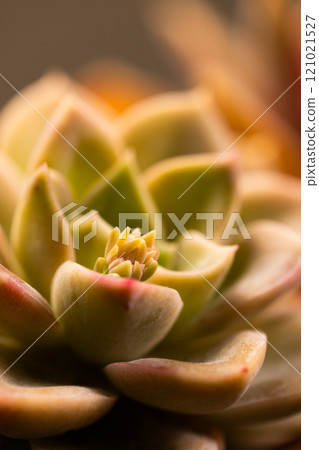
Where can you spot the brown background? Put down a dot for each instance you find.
(37, 35)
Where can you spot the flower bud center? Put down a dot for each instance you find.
(129, 254)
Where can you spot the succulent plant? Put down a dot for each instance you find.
(176, 342)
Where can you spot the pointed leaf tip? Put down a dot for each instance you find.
(32, 228)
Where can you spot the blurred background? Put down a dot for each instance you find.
(36, 36)
(245, 53)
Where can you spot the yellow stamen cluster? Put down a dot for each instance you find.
(129, 254)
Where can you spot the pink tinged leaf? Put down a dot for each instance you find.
(111, 319)
(24, 313)
(28, 412)
(212, 383)
(265, 267)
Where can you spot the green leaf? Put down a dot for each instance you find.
(84, 147)
(126, 180)
(191, 185)
(31, 233)
(7, 257)
(201, 265)
(89, 251)
(21, 123)
(169, 125)
(10, 182)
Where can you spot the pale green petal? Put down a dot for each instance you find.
(126, 180)
(88, 146)
(93, 233)
(7, 257)
(31, 233)
(10, 182)
(192, 185)
(21, 124)
(201, 265)
(61, 187)
(168, 125)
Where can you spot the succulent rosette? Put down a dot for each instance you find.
(131, 339)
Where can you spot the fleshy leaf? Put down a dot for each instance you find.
(8, 258)
(266, 266)
(89, 144)
(34, 403)
(206, 382)
(276, 391)
(194, 184)
(24, 313)
(10, 182)
(168, 253)
(61, 187)
(169, 125)
(211, 261)
(89, 250)
(21, 125)
(31, 233)
(113, 318)
(271, 195)
(125, 177)
(31, 412)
